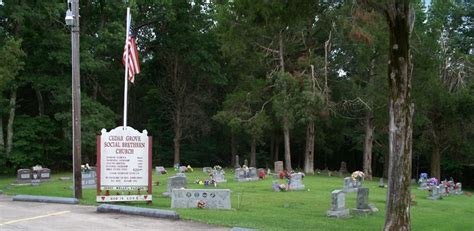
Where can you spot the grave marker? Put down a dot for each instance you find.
(435, 193)
(362, 204)
(175, 182)
(278, 166)
(89, 179)
(201, 198)
(23, 176)
(218, 176)
(246, 174)
(160, 170)
(296, 182)
(338, 205)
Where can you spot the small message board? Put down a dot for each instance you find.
(124, 165)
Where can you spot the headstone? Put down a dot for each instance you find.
(246, 174)
(246, 163)
(218, 176)
(443, 190)
(423, 184)
(362, 204)
(381, 184)
(278, 166)
(201, 198)
(182, 169)
(458, 189)
(89, 179)
(160, 170)
(451, 186)
(435, 193)
(276, 186)
(296, 182)
(23, 176)
(338, 205)
(343, 168)
(237, 162)
(175, 182)
(207, 170)
(44, 174)
(350, 185)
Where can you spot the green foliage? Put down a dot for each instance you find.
(11, 62)
(31, 144)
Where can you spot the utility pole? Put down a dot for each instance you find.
(76, 101)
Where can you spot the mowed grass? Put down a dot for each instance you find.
(255, 205)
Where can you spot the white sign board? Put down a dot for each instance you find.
(124, 163)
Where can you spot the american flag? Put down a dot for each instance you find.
(133, 62)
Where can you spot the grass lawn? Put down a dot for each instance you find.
(260, 207)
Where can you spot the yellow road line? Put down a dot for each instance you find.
(33, 218)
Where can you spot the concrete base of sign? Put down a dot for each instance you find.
(60, 200)
(158, 213)
(338, 213)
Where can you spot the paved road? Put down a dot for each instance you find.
(44, 216)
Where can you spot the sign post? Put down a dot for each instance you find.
(124, 165)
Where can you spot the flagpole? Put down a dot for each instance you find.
(125, 91)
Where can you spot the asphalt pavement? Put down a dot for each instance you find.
(16, 215)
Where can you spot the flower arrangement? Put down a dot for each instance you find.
(176, 167)
(424, 175)
(206, 182)
(201, 204)
(261, 174)
(85, 168)
(283, 187)
(357, 175)
(432, 181)
(189, 168)
(37, 167)
(217, 168)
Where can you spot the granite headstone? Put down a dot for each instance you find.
(207, 198)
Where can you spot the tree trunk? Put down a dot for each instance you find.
(309, 152)
(177, 144)
(11, 118)
(233, 149)
(397, 216)
(2, 139)
(277, 148)
(286, 134)
(39, 97)
(386, 163)
(272, 148)
(253, 153)
(368, 143)
(436, 157)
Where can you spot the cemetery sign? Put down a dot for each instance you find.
(124, 165)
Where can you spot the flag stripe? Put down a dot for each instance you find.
(133, 62)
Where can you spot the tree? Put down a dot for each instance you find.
(11, 64)
(400, 19)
